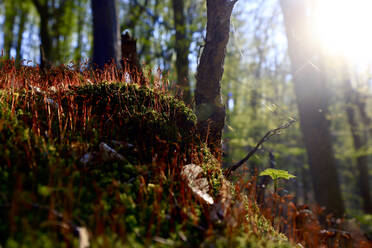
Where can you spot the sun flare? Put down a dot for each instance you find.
(344, 28)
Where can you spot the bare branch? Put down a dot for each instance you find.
(266, 137)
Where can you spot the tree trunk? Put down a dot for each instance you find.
(360, 142)
(305, 183)
(182, 46)
(106, 33)
(367, 122)
(21, 28)
(80, 27)
(10, 15)
(209, 106)
(45, 36)
(312, 101)
(130, 61)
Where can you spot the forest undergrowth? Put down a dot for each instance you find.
(91, 159)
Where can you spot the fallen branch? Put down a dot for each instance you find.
(267, 136)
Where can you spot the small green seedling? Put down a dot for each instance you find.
(276, 175)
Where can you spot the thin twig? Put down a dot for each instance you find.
(267, 136)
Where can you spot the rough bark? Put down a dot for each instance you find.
(182, 46)
(360, 142)
(210, 109)
(106, 33)
(312, 101)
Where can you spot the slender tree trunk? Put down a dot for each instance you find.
(106, 33)
(361, 105)
(45, 36)
(10, 15)
(210, 109)
(360, 142)
(80, 26)
(21, 28)
(312, 101)
(182, 46)
(50, 32)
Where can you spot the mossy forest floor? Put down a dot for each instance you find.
(100, 164)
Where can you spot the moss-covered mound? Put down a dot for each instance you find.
(108, 159)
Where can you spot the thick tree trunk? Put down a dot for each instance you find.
(182, 46)
(210, 109)
(360, 142)
(106, 33)
(305, 183)
(312, 101)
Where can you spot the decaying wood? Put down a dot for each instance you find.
(130, 61)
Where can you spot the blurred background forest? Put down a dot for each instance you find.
(261, 85)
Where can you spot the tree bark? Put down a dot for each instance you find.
(312, 101)
(360, 142)
(106, 33)
(210, 109)
(182, 46)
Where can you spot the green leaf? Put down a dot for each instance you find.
(45, 190)
(276, 174)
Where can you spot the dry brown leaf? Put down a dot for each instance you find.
(199, 186)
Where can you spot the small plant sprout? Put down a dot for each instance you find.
(276, 175)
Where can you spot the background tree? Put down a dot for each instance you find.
(360, 140)
(106, 46)
(312, 99)
(182, 47)
(55, 18)
(23, 13)
(10, 16)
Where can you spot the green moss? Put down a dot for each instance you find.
(137, 201)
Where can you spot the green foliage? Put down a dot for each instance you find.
(276, 174)
(366, 222)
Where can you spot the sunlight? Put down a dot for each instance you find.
(343, 28)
